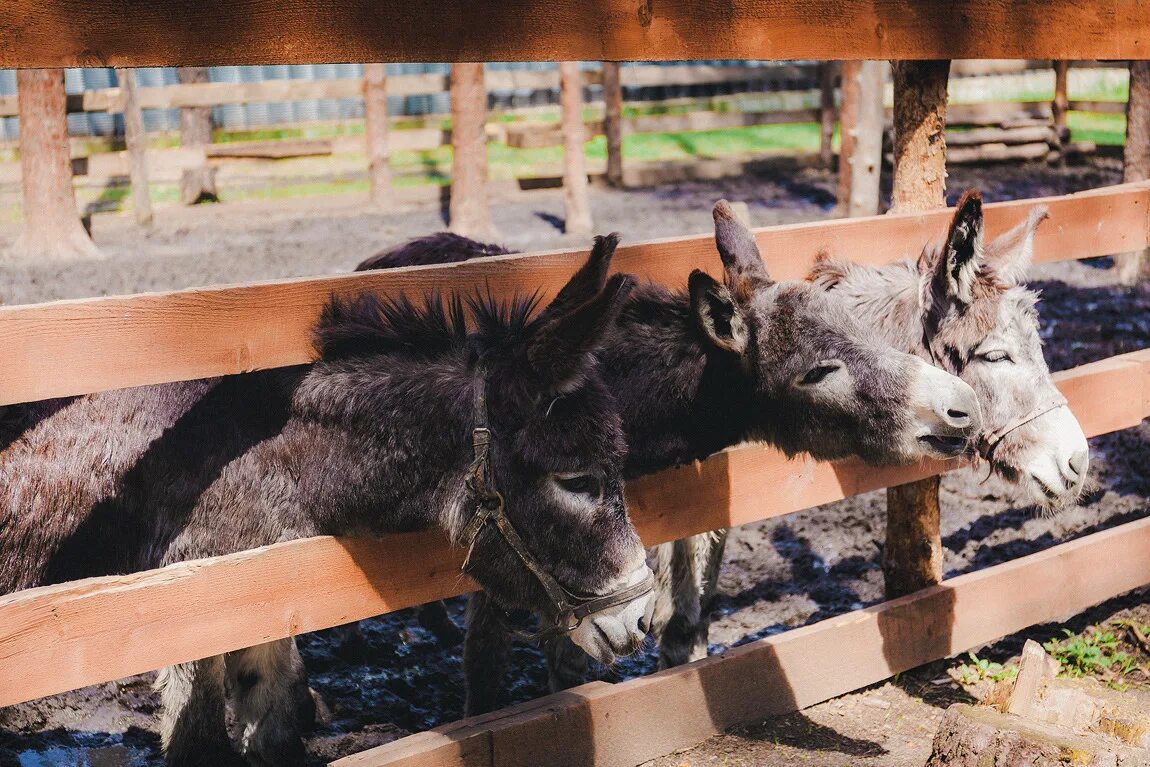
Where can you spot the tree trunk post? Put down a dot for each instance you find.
(1132, 267)
(912, 556)
(469, 210)
(137, 141)
(848, 127)
(375, 133)
(827, 72)
(866, 156)
(613, 121)
(1061, 104)
(197, 184)
(576, 204)
(52, 227)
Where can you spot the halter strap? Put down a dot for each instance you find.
(988, 441)
(567, 610)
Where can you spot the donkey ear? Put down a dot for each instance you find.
(586, 283)
(737, 247)
(964, 250)
(560, 351)
(718, 315)
(1010, 254)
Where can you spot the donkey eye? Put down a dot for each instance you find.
(580, 484)
(816, 374)
(997, 355)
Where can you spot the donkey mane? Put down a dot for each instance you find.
(368, 324)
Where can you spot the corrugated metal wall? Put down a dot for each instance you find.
(240, 116)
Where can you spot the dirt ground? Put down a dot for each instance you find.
(393, 678)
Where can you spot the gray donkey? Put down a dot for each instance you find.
(961, 307)
(505, 438)
(747, 358)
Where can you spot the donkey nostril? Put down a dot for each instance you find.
(1079, 463)
(957, 415)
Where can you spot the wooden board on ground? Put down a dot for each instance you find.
(218, 32)
(112, 343)
(279, 149)
(634, 721)
(100, 629)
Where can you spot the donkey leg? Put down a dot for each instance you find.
(691, 566)
(434, 617)
(566, 664)
(192, 728)
(486, 650)
(269, 689)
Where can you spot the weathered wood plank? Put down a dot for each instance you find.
(631, 722)
(111, 343)
(100, 629)
(177, 32)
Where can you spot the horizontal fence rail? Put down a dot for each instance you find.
(629, 723)
(175, 32)
(111, 343)
(100, 629)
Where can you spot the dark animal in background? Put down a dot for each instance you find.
(375, 437)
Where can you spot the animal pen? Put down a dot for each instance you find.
(61, 637)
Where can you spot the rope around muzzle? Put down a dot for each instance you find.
(989, 441)
(566, 610)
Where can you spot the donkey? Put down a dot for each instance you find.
(747, 358)
(961, 307)
(506, 438)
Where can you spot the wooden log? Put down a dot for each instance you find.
(1133, 266)
(137, 142)
(576, 203)
(640, 719)
(998, 113)
(277, 149)
(198, 183)
(52, 227)
(613, 121)
(1006, 136)
(866, 156)
(470, 211)
(998, 152)
(828, 71)
(176, 33)
(848, 128)
(100, 629)
(1061, 103)
(912, 554)
(375, 133)
(1103, 107)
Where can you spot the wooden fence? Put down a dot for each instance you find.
(60, 637)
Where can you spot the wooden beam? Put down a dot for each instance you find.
(101, 629)
(111, 343)
(632, 722)
(613, 121)
(219, 32)
(469, 208)
(1135, 265)
(375, 133)
(136, 140)
(576, 198)
(866, 152)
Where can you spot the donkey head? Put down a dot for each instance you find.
(556, 456)
(823, 383)
(981, 325)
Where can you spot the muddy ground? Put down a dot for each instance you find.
(778, 575)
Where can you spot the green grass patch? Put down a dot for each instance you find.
(1102, 129)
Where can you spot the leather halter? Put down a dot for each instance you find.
(566, 610)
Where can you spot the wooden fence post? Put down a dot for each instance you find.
(52, 227)
(912, 556)
(866, 156)
(1136, 159)
(375, 133)
(827, 72)
(848, 121)
(1061, 104)
(137, 141)
(576, 204)
(469, 211)
(613, 121)
(197, 184)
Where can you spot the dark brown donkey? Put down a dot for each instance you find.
(747, 358)
(505, 438)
